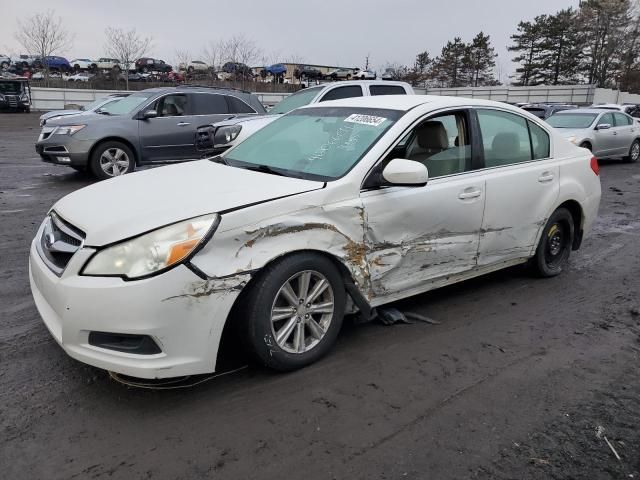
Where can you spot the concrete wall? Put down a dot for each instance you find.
(45, 99)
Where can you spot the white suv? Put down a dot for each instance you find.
(223, 135)
(106, 64)
(335, 207)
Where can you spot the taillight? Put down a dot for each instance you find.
(594, 165)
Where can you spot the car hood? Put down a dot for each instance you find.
(60, 113)
(127, 206)
(83, 117)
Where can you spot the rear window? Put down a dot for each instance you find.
(238, 106)
(387, 90)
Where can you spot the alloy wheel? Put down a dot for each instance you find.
(302, 312)
(114, 162)
(635, 151)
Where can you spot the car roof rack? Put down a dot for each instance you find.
(192, 85)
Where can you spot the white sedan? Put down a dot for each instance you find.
(333, 208)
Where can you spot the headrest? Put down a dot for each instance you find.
(432, 135)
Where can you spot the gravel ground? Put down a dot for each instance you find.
(524, 378)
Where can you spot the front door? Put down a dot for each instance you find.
(415, 235)
(171, 135)
(605, 140)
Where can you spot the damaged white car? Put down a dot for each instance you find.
(332, 208)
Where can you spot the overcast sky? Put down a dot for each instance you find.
(327, 32)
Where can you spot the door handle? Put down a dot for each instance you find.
(546, 177)
(183, 124)
(468, 193)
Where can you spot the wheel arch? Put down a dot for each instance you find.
(115, 138)
(577, 214)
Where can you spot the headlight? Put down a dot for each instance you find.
(152, 252)
(226, 134)
(573, 139)
(68, 129)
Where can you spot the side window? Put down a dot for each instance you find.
(539, 141)
(607, 118)
(238, 106)
(442, 144)
(172, 106)
(505, 138)
(387, 90)
(342, 92)
(209, 104)
(621, 120)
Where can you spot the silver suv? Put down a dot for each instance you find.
(154, 125)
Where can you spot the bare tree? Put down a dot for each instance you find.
(240, 49)
(212, 54)
(127, 46)
(183, 58)
(43, 35)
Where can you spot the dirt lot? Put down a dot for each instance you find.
(514, 383)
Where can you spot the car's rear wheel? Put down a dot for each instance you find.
(555, 244)
(112, 159)
(634, 152)
(294, 311)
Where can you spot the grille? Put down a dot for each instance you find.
(12, 100)
(59, 241)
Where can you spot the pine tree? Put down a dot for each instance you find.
(449, 67)
(528, 43)
(480, 61)
(561, 48)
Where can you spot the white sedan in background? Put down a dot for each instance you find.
(333, 208)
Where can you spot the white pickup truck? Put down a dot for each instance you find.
(218, 137)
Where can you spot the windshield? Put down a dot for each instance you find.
(125, 105)
(10, 87)
(320, 143)
(572, 120)
(296, 100)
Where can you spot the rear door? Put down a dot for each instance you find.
(625, 132)
(522, 184)
(171, 135)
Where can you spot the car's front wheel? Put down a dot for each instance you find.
(293, 311)
(112, 159)
(634, 152)
(555, 244)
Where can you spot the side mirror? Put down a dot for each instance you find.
(150, 114)
(603, 126)
(403, 172)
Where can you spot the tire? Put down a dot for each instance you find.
(190, 70)
(4, 65)
(555, 244)
(302, 342)
(103, 168)
(145, 70)
(117, 69)
(634, 152)
(348, 76)
(586, 145)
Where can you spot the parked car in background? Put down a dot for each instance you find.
(237, 69)
(105, 63)
(359, 202)
(154, 125)
(5, 61)
(608, 134)
(79, 77)
(388, 74)
(15, 94)
(54, 63)
(26, 61)
(41, 75)
(364, 74)
(340, 74)
(307, 72)
(223, 135)
(194, 66)
(147, 64)
(545, 110)
(81, 64)
(89, 108)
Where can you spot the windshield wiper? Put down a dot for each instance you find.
(219, 159)
(264, 169)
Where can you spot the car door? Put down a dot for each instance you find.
(210, 108)
(170, 135)
(522, 185)
(415, 235)
(625, 132)
(604, 139)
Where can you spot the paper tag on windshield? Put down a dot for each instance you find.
(365, 119)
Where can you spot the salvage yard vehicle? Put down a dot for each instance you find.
(91, 107)
(153, 125)
(81, 64)
(607, 133)
(15, 94)
(335, 207)
(5, 61)
(146, 64)
(106, 64)
(222, 135)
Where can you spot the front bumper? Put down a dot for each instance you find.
(63, 149)
(182, 313)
